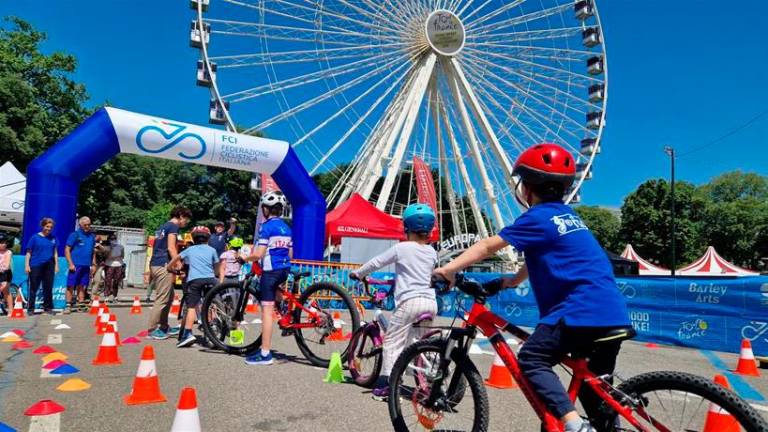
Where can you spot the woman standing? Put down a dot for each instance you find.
(41, 264)
(113, 268)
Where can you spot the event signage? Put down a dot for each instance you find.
(459, 242)
(152, 136)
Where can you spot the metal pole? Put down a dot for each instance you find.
(671, 152)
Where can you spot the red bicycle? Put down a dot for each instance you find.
(428, 384)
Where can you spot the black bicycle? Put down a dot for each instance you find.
(322, 317)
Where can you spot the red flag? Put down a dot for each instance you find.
(268, 184)
(425, 189)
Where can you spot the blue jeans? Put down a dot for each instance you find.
(547, 346)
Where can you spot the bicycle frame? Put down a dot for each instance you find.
(285, 322)
(492, 326)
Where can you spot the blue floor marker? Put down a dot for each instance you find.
(65, 369)
(741, 387)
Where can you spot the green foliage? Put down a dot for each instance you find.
(156, 216)
(603, 223)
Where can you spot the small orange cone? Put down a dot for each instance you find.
(107, 354)
(136, 308)
(500, 377)
(103, 323)
(175, 306)
(102, 310)
(251, 307)
(113, 323)
(651, 345)
(186, 419)
(338, 332)
(95, 304)
(146, 384)
(18, 309)
(719, 420)
(747, 364)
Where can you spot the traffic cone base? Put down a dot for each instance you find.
(73, 385)
(335, 373)
(747, 364)
(187, 418)
(500, 377)
(146, 384)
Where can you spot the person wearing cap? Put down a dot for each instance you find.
(220, 237)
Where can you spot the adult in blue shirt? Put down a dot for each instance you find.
(41, 263)
(220, 237)
(571, 278)
(80, 258)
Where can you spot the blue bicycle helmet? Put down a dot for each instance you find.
(418, 218)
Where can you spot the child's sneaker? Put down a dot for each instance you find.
(258, 359)
(380, 394)
(187, 340)
(174, 331)
(158, 335)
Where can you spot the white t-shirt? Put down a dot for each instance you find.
(414, 263)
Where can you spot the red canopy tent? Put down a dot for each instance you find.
(645, 268)
(356, 217)
(712, 264)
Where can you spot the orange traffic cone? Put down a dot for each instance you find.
(103, 323)
(186, 419)
(113, 323)
(95, 304)
(146, 384)
(338, 332)
(103, 309)
(18, 309)
(107, 354)
(747, 364)
(251, 307)
(500, 377)
(136, 308)
(719, 420)
(175, 306)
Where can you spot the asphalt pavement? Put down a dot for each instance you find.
(232, 396)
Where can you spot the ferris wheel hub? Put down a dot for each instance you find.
(445, 32)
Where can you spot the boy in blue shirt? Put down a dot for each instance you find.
(203, 262)
(274, 250)
(570, 275)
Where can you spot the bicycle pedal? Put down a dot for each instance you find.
(287, 332)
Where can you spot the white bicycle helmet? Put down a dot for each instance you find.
(271, 199)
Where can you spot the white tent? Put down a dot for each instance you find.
(645, 268)
(12, 188)
(712, 264)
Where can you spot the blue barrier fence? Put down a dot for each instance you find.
(59, 282)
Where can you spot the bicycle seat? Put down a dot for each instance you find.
(426, 316)
(615, 335)
(301, 274)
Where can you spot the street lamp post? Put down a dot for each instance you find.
(671, 152)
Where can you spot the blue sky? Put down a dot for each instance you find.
(681, 73)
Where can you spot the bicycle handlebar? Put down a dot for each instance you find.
(469, 286)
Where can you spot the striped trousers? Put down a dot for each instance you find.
(400, 332)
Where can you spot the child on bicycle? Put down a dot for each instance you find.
(274, 250)
(6, 275)
(414, 261)
(203, 262)
(231, 261)
(570, 275)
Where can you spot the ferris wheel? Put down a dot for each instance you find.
(362, 87)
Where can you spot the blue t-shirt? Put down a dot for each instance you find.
(160, 256)
(42, 249)
(219, 241)
(275, 235)
(201, 260)
(81, 245)
(570, 274)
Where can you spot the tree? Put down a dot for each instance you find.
(603, 223)
(39, 103)
(645, 221)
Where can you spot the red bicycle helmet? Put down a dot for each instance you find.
(200, 231)
(546, 163)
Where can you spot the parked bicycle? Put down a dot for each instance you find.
(316, 317)
(654, 401)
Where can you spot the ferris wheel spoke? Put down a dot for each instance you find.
(511, 22)
(493, 14)
(310, 78)
(518, 48)
(291, 33)
(528, 35)
(474, 11)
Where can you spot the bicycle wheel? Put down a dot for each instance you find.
(332, 330)
(412, 379)
(218, 312)
(364, 358)
(681, 402)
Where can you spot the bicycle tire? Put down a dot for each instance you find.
(208, 327)
(298, 333)
(668, 381)
(359, 339)
(462, 365)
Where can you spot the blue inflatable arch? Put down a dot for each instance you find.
(54, 178)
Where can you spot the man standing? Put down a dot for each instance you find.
(220, 238)
(163, 251)
(79, 254)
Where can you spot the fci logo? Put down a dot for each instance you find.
(172, 135)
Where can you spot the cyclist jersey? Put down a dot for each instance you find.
(275, 235)
(570, 274)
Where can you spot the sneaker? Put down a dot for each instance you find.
(158, 335)
(111, 299)
(380, 394)
(67, 310)
(174, 331)
(189, 340)
(258, 359)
